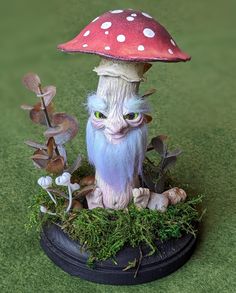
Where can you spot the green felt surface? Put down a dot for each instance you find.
(194, 105)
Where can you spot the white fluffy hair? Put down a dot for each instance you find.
(117, 163)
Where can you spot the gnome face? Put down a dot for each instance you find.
(114, 119)
(116, 109)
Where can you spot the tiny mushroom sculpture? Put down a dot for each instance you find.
(64, 180)
(46, 182)
(44, 210)
(116, 130)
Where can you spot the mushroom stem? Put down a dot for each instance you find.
(51, 196)
(116, 88)
(119, 82)
(70, 199)
(62, 152)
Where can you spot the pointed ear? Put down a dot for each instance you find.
(147, 118)
(147, 66)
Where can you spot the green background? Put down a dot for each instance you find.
(194, 106)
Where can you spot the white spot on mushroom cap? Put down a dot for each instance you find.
(85, 45)
(86, 33)
(172, 42)
(141, 48)
(147, 15)
(106, 32)
(120, 38)
(134, 14)
(116, 11)
(149, 33)
(170, 51)
(106, 25)
(129, 18)
(107, 48)
(95, 19)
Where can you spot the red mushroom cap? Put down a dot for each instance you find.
(126, 35)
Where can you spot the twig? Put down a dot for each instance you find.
(46, 115)
(139, 261)
(44, 107)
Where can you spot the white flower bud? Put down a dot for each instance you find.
(45, 182)
(64, 179)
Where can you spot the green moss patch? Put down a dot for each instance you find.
(104, 232)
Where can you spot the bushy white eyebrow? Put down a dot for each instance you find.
(136, 104)
(96, 103)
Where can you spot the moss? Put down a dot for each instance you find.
(104, 232)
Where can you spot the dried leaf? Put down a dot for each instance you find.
(32, 82)
(50, 147)
(158, 144)
(40, 163)
(148, 180)
(65, 128)
(160, 137)
(168, 162)
(147, 66)
(53, 131)
(26, 107)
(160, 184)
(83, 191)
(147, 118)
(62, 152)
(56, 165)
(174, 153)
(50, 92)
(75, 165)
(40, 157)
(36, 145)
(149, 93)
(37, 115)
(87, 180)
(76, 205)
(163, 137)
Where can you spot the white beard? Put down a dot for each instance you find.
(117, 164)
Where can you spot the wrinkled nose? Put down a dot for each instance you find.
(115, 130)
(117, 127)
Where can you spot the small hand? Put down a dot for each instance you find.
(141, 197)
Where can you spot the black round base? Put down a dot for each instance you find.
(67, 254)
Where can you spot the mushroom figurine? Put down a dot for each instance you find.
(64, 180)
(116, 133)
(45, 183)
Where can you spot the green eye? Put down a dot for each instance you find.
(131, 116)
(99, 115)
